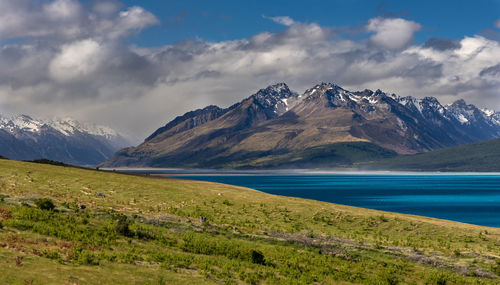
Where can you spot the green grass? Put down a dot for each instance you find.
(249, 237)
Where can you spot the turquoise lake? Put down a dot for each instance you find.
(467, 198)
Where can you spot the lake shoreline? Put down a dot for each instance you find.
(179, 171)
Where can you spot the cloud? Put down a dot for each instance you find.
(108, 7)
(76, 60)
(69, 20)
(81, 65)
(62, 10)
(392, 33)
(497, 24)
(492, 70)
(442, 44)
(134, 19)
(282, 20)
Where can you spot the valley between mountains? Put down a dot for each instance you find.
(326, 126)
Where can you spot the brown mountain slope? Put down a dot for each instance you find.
(276, 123)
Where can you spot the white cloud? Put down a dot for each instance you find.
(62, 9)
(68, 20)
(134, 19)
(464, 68)
(76, 60)
(92, 75)
(392, 33)
(282, 20)
(108, 7)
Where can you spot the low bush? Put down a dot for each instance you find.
(122, 226)
(258, 257)
(87, 257)
(45, 204)
(209, 245)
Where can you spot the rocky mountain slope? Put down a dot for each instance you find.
(276, 124)
(66, 140)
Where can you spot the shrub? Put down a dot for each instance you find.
(86, 257)
(438, 279)
(258, 257)
(48, 161)
(45, 204)
(122, 226)
(52, 255)
(496, 267)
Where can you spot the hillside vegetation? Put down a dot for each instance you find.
(476, 157)
(336, 155)
(64, 225)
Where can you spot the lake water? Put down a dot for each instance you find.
(467, 198)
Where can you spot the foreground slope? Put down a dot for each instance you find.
(275, 123)
(476, 157)
(140, 230)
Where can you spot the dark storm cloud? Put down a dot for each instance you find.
(425, 71)
(442, 44)
(492, 70)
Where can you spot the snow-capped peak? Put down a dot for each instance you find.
(465, 113)
(69, 126)
(21, 122)
(66, 126)
(278, 98)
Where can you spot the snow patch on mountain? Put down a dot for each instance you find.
(488, 112)
(69, 126)
(66, 126)
(277, 98)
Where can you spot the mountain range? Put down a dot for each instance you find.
(326, 125)
(65, 140)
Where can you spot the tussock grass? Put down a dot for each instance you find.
(146, 230)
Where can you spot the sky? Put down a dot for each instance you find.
(135, 65)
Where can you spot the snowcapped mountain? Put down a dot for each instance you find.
(266, 104)
(66, 140)
(276, 124)
(276, 99)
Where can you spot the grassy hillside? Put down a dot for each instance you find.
(144, 230)
(343, 154)
(481, 156)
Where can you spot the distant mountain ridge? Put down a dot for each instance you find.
(65, 140)
(276, 124)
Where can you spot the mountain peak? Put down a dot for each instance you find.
(277, 98)
(278, 91)
(460, 103)
(278, 87)
(259, 127)
(322, 88)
